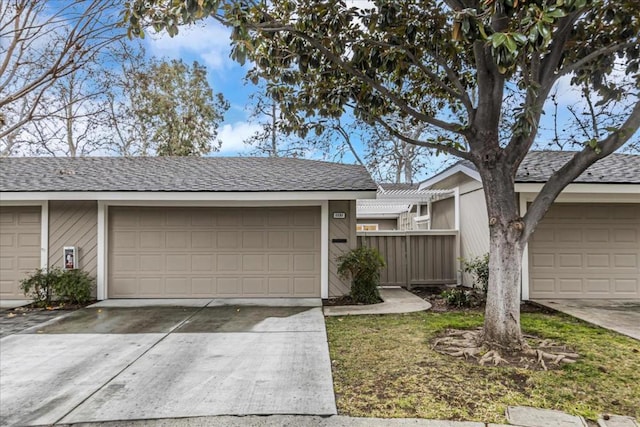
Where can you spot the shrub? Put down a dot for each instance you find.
(479, 269)
(39, 286)
(363, 267)
(458, 297)
(64, 286)
(74, 287)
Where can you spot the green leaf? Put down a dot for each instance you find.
(497, 39)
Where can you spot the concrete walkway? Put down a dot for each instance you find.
(396, 300)
(622, 316)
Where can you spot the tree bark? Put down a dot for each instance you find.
(502, 315)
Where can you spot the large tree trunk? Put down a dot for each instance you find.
(502, 316)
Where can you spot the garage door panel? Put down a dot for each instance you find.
(626, 287)
(203, 262)
(20, 247)
(209, 252)
(252, 240)
(202, 240)
(625, 235)
(228, 240)
(626, 261)
(586, 251)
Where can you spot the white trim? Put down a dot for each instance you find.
(583, 188)
(324, 249)
(409, 232)
(589, 197)
(139, 196)
(35, 202)
(524, 281)
(471, 173)
(44, 235)
(456, 225)
(101, 275)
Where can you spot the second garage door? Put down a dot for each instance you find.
(586, 251)
(214, 252)
(19, 247)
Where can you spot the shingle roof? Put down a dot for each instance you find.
(616, 168)
(538, 166)
(182, 174)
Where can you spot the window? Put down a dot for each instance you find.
(367, 227)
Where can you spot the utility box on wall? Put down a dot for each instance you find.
(70, 258)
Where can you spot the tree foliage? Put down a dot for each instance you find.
(477, 73)
(175, 108)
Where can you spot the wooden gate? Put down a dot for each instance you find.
(415, 257)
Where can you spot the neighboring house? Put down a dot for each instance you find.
(397, 207)
(587, 245)
(178, 227)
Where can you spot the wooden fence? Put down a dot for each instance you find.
(415, 257)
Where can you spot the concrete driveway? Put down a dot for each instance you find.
(113, 363)
(622, 316)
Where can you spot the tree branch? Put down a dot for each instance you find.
(576, 166)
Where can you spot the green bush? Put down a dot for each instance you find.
(460, 297)
(64, 286)
(363, 267)
(39, 285)
(479, 269)
(74, 287)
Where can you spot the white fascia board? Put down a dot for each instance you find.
(582, 188)
(188, 196)
(7, 202)
(378, 216)
(449, 172)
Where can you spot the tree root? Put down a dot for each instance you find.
(535, 354)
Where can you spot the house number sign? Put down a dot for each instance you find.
(339, 215)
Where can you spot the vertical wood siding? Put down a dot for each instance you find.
(74, 223)
(414, 258)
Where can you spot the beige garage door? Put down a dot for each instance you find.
(214, 252)
(19, 247)
(586, 251)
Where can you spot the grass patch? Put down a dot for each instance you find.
(383, 366)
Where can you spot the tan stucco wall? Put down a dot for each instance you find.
(340, 229)
(74, 223)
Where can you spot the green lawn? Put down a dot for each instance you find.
(383, 366)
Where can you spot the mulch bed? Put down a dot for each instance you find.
(339, 301)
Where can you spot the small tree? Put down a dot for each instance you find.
(362, 266)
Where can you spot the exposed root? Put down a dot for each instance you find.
(535, 354)
(494, 357)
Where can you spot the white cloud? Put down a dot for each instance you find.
(233, 136)
(207, 43)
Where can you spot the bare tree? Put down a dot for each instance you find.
(42, 43)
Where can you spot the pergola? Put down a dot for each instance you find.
(392, 203)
